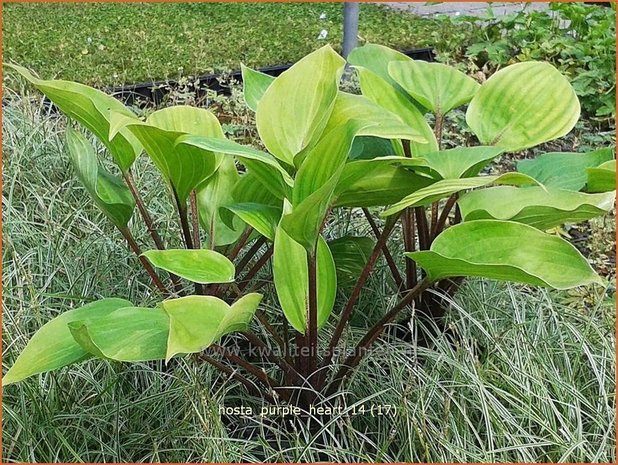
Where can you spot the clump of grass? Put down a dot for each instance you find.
(520, 377)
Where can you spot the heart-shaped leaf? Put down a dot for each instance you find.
(295, 108)
(109, 193)
(564, 170)
(447, 187)
(538, 207)
(291, 279)
(130, 334)
(198, 321)
(53, 346)
(91, 108)
(254, 84)
(436, 86)
(199, 266)
(508, 251)
(523, 105)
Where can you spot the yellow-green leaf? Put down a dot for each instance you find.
(199, 266)
(295, 108)
(109, 193)
(523, 105)
(196, 322)
(436, 86)
(53, 346)
(538, 207)
(507, 251)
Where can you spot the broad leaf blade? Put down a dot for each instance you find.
(602, 178)
(391, 98)
(377, 182)
(295, 108)
(447, 187)
(53, 346)
(506, 251)
(183, 166)
(91, 108)
(214, 195)
(461, 162)
(130, 334)
(263, 218)
(109, 193)
(542, 208)
(196, 322)
(254, 84)
(564, 170)
(262, 165)
(350, 254)
(436, 86)
(198, 266)
(523, 105)
(292, 280)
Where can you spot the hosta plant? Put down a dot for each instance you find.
(246, 212)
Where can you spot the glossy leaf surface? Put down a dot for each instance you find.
(523, 105)
(198, 321)
(53, 346)
(541, 208)
(109, 193)
(508, 251)
(199, 266)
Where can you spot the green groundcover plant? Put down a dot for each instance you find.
(244, 210)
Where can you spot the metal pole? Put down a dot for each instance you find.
(350, 27)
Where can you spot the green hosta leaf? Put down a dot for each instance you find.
(130, 334)
(254, 84)
(292, 280)
(350, 254)
(543, 209)
(461, 162)
(303, 223)
(506, 251)
(91, 108)
(263, 218)
(564, 170)
(379, 181)
(196, 321)
(523, 105)
(295, 108)
(212, 196)
(250, 190)
(53, 346)
(262, 165)
(318, 175)
(376, 59)
(109, 193)
(447, 187)
(602, 178)
(389, 97)
(199, 266)
(182, 165)
(368, 147)
(436, 86)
